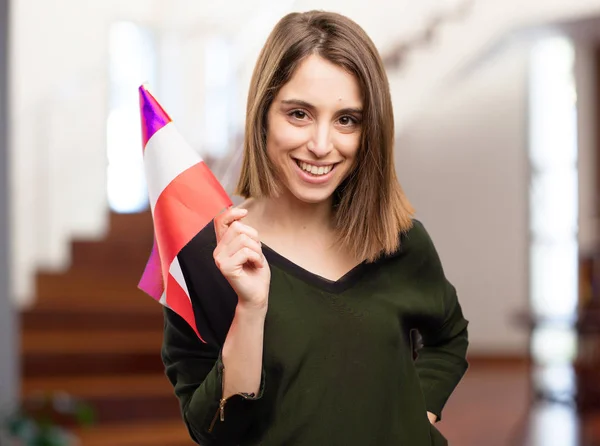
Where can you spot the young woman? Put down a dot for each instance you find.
(307, 294)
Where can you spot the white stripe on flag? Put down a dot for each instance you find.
(163, 298)
(175, 271)
(167, 155)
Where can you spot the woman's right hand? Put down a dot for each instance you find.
(240, 259)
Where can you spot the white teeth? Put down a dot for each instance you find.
(315, 170)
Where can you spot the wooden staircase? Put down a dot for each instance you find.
(94, 335)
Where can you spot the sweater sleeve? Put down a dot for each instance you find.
(441, 362)
(196, 371)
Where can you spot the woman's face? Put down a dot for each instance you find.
(314, 129)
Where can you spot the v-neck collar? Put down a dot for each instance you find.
(331, 286)
(344, 283)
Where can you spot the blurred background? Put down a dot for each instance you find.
(496, 106)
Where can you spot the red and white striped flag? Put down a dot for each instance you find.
(184, 197)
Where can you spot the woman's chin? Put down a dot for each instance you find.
(314, 196)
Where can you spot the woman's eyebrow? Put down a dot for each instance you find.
(351, 110)
(304, 104)
(298, 102)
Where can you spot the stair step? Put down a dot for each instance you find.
(149, 317)
(114, 399)
(128, 227)
(72, 290)
(172, 433)
(68, 342)
(116, 257)
(133, 301)
(99, 283)
(40, 324)
(88, 387)
(38, 365)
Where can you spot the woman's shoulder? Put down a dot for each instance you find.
(416, 237)
(416, 254)
(415, 242)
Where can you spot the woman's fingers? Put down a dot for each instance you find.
(235, 229)
(237, 244)
(239, 257)
(241, 241)
(225, 219)
(247, 255)
(225, 252)
(235, 259)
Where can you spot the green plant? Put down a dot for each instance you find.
(46, 420)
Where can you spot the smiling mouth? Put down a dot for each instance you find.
(315, 170)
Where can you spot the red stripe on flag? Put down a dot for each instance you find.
(179, 302)
(176, 223)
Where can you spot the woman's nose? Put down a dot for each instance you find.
(321, 144)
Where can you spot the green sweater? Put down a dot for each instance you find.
(338, 363)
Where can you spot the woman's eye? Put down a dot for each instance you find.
(347, 121)
(298, 114)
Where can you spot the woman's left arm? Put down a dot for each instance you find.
(441, 362)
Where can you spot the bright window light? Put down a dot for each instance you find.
(132, 61)
(220, 96)
(554, 179)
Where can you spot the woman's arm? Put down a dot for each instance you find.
(441, 361)
(196, 370)
(242, 352)
(217, 381)
(239, 257)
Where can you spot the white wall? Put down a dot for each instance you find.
(464, 166)
(58, 92)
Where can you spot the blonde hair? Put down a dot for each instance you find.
(370, 207)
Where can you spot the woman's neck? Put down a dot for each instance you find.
(287, 214)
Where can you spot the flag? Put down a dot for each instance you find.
(184, 197)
